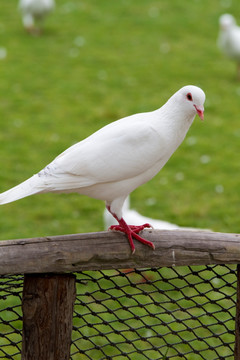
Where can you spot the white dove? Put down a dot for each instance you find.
(115, 160)
(229, 39)
(34, 11)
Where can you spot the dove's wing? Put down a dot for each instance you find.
(119, 151)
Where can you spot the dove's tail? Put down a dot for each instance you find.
(29, 187)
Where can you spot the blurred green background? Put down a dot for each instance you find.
(98, 61)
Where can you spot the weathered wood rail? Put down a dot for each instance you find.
(106, 250)
(49, 286)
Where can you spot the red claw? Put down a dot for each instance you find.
(132, 232)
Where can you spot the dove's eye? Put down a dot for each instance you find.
(189, 96)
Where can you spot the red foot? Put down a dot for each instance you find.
(132, 232)
(134, 228)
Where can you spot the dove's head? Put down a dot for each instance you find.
(226, 21)
(190, 100)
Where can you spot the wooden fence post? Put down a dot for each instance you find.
(47, 305)
(237, 319)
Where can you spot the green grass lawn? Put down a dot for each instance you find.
(97, 62)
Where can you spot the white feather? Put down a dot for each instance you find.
(29, 187)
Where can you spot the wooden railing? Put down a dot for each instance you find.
(107, 250)
(49, 286)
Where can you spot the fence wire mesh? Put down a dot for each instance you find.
(10, 316)
(165, 313)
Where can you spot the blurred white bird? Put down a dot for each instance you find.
(133, 217)
(118, 158)
(229, 39)
(34, 11)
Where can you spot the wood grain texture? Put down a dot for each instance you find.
(107, 250)
(47, 306)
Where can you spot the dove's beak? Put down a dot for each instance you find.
(200, 111)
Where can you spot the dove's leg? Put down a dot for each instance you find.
(131, 231)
